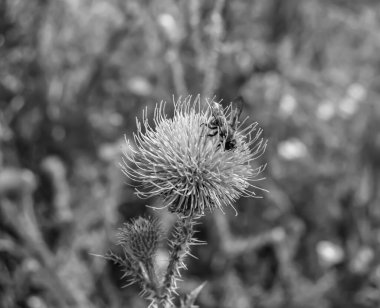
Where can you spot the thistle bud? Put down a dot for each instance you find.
(140, 238)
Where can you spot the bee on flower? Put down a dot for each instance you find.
(191, 160)
(223, 127)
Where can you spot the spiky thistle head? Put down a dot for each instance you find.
(140, 238)
(181, 160)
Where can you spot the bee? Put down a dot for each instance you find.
(226, 129)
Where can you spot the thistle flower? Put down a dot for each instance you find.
(180, 161)
(140, 238)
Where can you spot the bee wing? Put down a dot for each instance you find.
(216, 109)
(236, 109)
(218, 114)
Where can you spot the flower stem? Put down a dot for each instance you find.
(155, 286)
(180, 247)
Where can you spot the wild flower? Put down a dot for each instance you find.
(140, 238)
(180, 161)
(139, 241)
(199, 159)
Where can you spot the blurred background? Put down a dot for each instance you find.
(75, 74)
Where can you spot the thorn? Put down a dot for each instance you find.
(191, 255)
(128, 284)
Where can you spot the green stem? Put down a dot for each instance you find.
(180, 247)
(153, 283)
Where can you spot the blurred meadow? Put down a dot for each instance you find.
(75, 74)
